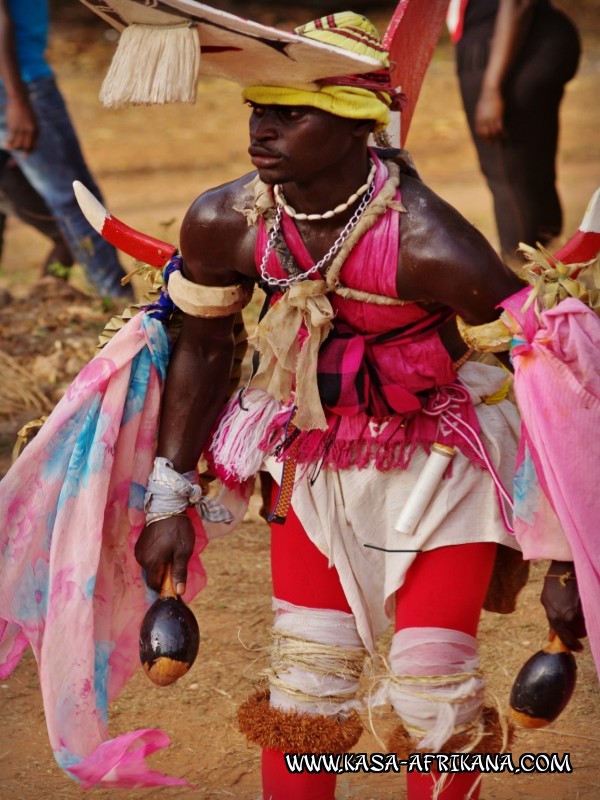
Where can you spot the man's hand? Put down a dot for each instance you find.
(560, 598)
(489, 115)
(21, 124)
(169, 541)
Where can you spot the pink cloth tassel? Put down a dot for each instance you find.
(234, 450)
(126, 754)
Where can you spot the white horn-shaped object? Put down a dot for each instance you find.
(139, 245)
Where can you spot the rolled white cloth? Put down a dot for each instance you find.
(316, 661)
(169, 493)
(435, 685)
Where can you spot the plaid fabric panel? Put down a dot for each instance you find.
(342, 377)
(348, 378)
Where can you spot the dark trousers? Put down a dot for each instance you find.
(520, 169)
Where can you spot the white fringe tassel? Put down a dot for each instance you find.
(242, 428)
(153, 64)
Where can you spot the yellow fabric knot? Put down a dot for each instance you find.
(283, 362)
(500, 395)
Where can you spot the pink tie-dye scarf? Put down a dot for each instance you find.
(72, 509)
(557, 386)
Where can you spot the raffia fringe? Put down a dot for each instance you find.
(153, 65)
(291, 732)
(495, 737)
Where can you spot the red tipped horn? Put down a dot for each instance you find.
(136, 244)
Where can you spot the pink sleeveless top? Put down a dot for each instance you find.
(418, 364)
(379, 367)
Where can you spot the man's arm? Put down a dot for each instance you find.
(217, 249)
(196, 388)
(21, 123)
(512, 24)
(444, 259)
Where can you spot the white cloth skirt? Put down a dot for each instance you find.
(345, 511)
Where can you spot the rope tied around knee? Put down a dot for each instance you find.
(311, 705)
(433, 681)
(317, 658)
(291, 652)
(434, 684)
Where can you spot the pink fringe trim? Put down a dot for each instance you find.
(355, 441)
(254, 424)
(234, 452)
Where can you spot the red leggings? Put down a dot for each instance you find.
(444, 588)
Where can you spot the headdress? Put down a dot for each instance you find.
(368, 95)
(166, 44)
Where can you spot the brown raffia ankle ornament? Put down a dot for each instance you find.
(293, 732)
(494, 737)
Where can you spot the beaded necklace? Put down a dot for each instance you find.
(282, 203)
(285, 283)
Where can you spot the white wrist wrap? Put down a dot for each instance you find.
(169, 493)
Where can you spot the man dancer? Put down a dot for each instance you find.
(362, 371)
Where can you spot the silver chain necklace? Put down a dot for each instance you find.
(285, 283)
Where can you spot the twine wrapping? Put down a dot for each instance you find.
(317, 659)
(434, 684)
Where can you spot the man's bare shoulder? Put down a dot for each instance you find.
(444, 258)
(427, 211)
(219, 202)
(433, 231)
(215, 236)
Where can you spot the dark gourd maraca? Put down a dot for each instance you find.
(543, 686)
(169, 637)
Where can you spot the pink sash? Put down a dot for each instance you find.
(72, 509)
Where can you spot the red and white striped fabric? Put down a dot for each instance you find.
(455, 18)
(585, 242)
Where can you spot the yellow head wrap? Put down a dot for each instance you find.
(344, 97)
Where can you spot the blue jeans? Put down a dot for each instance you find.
(51, 169)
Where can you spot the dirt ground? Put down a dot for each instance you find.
(151, 163)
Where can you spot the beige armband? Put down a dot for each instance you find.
(492, 337)
(207, 301)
